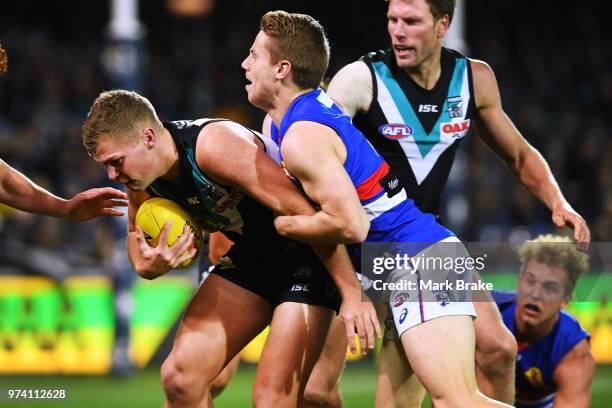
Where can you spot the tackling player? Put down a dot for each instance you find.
(338, 169)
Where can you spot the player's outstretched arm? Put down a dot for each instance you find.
(574, 376)
(500, 134)
(150, 262)
(351, 88)
(228, 153)
(20, 192)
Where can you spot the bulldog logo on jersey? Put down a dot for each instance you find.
(534, 376)
(400, 298)
(442, 297)
(396, 131)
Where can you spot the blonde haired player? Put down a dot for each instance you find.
(221, 173)
(555, 365)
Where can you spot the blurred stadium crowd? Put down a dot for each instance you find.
(553, 66)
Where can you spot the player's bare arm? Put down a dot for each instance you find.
(351, 88)
(314, 154)
(230, 154)
(150, 262)
(500, 134)
(574, 376)
(20, 192)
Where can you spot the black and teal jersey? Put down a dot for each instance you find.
(238, 216)
(416, 130)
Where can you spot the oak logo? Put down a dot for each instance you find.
(456, 129)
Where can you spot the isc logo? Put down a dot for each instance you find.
(193, 200)
(428, 108)
(395, 131)
(301, 287)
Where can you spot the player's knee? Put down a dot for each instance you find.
(458, 400)
(173, 380)
(264, 397)
(497, 354)
(220, 384)
(318, 392)
(178, 382)
(271, 395)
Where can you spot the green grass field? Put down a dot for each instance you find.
(143, 389)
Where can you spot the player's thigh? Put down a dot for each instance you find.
(441, 353)
(396, 384)
(293, 345)
(215, 328)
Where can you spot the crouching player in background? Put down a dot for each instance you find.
(554, 366)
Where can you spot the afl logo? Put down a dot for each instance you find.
(395, 131)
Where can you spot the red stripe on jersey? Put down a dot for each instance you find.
(370, 186)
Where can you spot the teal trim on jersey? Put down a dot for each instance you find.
(456, 81)
(197, 175)
(203, 183)
(425, 141)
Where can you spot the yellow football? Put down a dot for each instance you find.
(153, 214)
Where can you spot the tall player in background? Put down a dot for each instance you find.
(415, 102)
(555, 366)
(18, 191)
(337, 167)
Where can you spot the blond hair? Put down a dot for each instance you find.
(301, 40)
(117, 114)
(556, 251)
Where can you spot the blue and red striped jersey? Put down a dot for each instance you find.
(393, 216)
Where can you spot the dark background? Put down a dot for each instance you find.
(553, 65)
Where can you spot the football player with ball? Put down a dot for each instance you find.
(224, 176)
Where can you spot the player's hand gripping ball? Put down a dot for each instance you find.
(153, 214)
